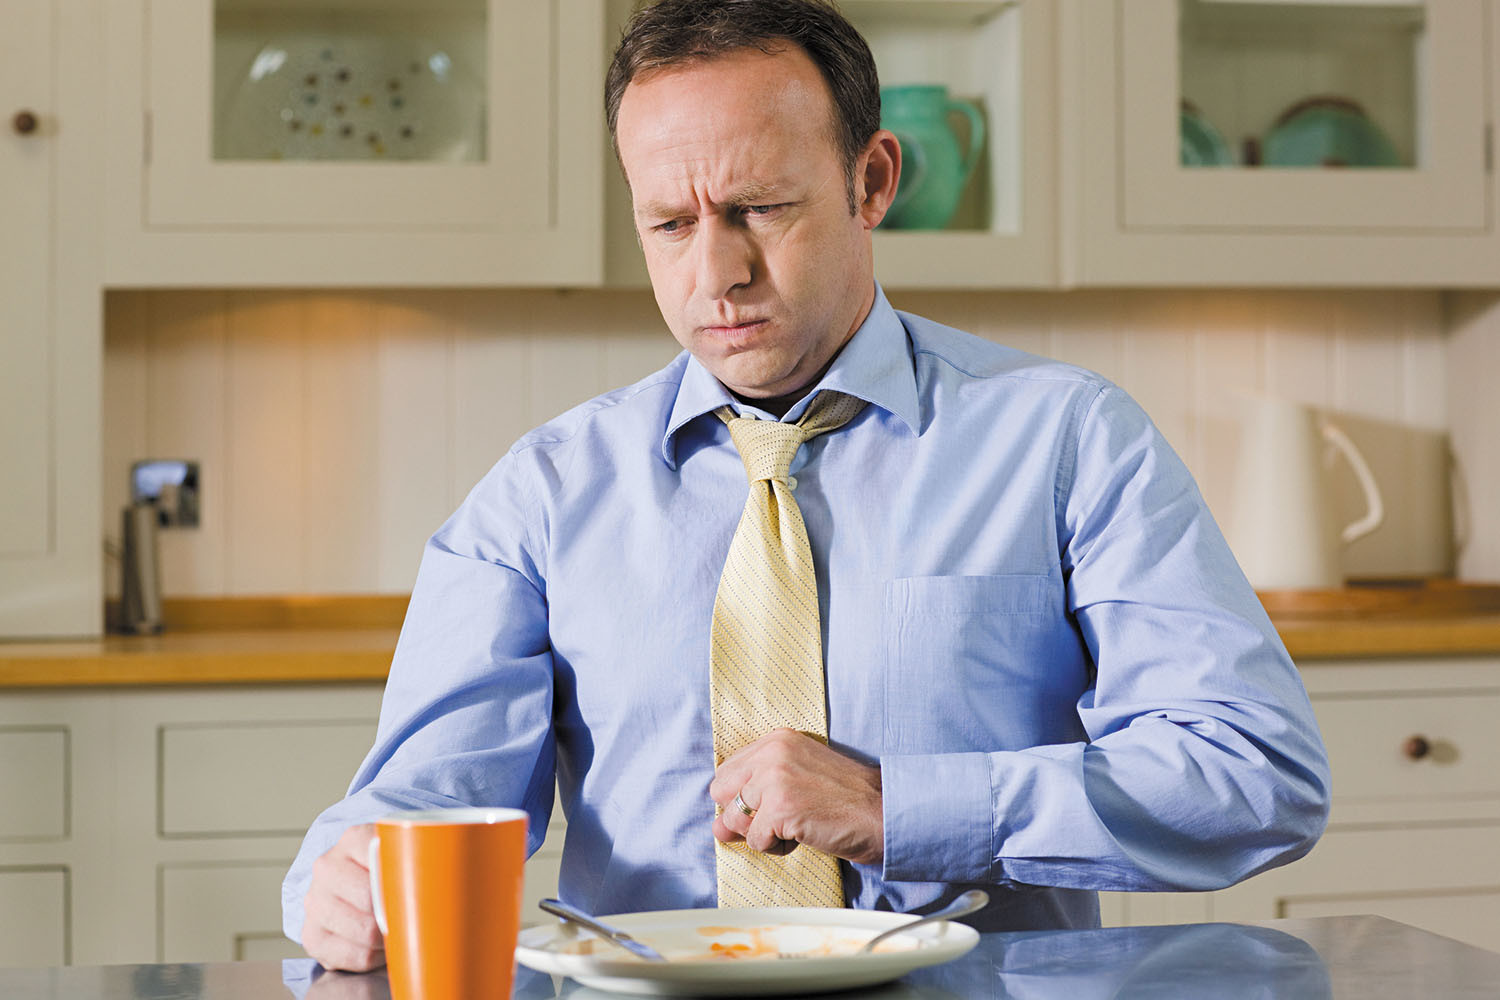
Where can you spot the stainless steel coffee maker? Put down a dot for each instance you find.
(163, 494)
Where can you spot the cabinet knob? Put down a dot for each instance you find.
(24, 122)
(1416, 747)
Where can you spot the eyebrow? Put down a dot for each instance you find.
(748, 194)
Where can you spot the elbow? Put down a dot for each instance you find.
(1293, 825)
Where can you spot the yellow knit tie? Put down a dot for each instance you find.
(766, 660)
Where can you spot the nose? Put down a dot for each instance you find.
(726, 258)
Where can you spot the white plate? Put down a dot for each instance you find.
(695, 943)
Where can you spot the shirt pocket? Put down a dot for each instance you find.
(977, 663)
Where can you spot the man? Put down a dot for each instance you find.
(1044, 673)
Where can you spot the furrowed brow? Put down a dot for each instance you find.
(748, 194)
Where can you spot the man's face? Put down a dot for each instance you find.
(740, 200)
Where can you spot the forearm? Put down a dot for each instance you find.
(1160, 811)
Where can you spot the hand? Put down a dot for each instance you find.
(801, 792)
(340, 930)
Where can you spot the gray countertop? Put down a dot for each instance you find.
(1357, 957)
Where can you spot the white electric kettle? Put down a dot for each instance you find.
(1283, 530)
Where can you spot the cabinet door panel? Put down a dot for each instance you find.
(483, 117)
(27, 163)
(255, 780)
(1445, 191)
(49, 334)
(33, 783)
(188, 186)
(33, 917)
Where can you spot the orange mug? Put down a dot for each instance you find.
(447, 885)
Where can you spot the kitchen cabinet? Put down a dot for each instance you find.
(1222, 142)
(1080, 182)
(49, 339)
(156, 824)
(354, 142)
(1416, 807)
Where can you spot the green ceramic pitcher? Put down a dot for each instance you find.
(934, 167)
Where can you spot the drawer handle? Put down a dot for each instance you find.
(1416, 747)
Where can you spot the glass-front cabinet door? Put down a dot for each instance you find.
(1269, 131)
(1273, 113)
(474, 119)
(968, 89)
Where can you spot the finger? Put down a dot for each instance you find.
(333, 952)
(730, 777)
(338, 876)
(348, 923)
(781, 847)
(723, 834)
(734, 817)
(765, 833)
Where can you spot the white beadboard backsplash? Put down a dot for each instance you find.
(337, 430)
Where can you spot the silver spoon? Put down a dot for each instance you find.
(558, 908)
(970, 901)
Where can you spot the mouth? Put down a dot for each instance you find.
(736, 336)
(733, 329)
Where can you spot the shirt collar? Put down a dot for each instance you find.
(875, 365)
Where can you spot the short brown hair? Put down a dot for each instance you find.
(673, 32)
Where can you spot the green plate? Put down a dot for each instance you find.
(1328, 132)
(1201, 144)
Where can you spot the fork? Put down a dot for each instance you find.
(970, 901)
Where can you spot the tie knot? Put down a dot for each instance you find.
(767, 447)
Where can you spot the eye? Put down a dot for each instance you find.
(670, 227)
(760, 209)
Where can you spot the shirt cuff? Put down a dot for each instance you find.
(938, 818)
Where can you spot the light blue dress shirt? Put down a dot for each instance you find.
(1030, 622)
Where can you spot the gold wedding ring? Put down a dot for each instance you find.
(743, 808)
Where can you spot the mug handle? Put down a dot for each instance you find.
(1374, 506)
(377, 888)
(976, 135)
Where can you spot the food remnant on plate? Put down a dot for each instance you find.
(795, 940)
(732, 944)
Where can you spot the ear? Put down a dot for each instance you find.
(877, 172)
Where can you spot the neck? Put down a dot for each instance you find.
(779, 405)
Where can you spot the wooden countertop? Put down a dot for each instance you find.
(284, 640)
(256, 640)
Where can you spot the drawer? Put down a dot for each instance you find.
(255, 779)
(34, 770)
(1372, 745)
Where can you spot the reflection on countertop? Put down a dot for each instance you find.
(1312, 959)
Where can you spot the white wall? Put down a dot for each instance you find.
(337, 430)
